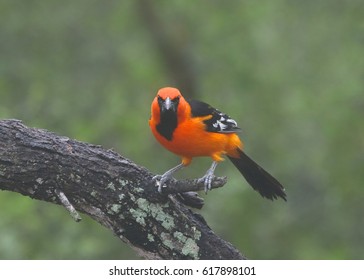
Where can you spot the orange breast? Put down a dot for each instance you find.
(190, 139)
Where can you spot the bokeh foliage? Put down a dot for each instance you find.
(290, 72)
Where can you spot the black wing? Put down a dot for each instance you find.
(219, 122)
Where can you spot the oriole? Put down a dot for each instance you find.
(191, 128)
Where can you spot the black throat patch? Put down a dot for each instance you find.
(167, 124)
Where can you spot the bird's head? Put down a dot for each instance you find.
(168, 99)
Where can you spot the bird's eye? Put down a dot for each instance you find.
(160, 98)
(176, 99)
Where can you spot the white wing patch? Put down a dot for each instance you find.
(219, 125)
(218, 122)
(223, 122)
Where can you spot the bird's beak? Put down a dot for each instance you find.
(168, 105)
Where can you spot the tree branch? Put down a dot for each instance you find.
(111, 189)
(192, 185)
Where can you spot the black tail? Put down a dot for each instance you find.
(258, 178)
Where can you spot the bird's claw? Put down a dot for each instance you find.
(160, 181)
(207, 180)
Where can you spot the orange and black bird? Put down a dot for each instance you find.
(191, 128)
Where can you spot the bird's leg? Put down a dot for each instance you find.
(166, 176)
(209, 176)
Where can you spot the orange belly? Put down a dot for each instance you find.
(190, 139)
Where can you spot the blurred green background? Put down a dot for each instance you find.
(290, 72)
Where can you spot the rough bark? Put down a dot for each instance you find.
(111, 189)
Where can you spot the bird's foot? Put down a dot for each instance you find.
(160, 181)
(207, 180)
